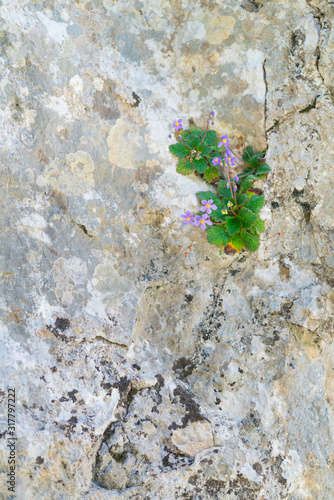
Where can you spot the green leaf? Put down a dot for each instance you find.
(237, 242)
(203, 148)
(217, 236)
(246, 183)
(184, 167)
(255, 203)
(242, 198)
(223, 190)
(252, 242)
(217, 215)
(211, 137)
(233, 225)
(248, 154)
(200, 165)
(179, 149)
(259, 226)
(192, 141)
(248, 218)
(208, 195)
(263, 169)
(197, 132)
(211, 173)
(255, 162)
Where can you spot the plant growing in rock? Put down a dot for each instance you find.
(230, 215)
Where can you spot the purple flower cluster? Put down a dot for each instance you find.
(201, 220)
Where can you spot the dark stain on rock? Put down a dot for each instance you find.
(296, 193)
(60, 325)
(39, 460)
(69, 427)
(214, 486)
(192, 408)
(274, 204)
(188, 298)
(306, 207)
(183, 367)
(137, 100)
(72, 395)
(243, 488)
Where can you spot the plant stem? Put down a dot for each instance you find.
(207, 126)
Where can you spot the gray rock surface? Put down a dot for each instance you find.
(140, 374)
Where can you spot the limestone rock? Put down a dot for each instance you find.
(140, 373)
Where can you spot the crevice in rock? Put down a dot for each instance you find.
(310, 106)
(319, 16)
(83, 228)
(265, 110)
(110, 342)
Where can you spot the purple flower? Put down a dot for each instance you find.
(236, 178)
(212, 113)
(208, 206)
(216, 161)
(180, 137)
(187, 218)
(235, 188)
(170, 136)
(228, 186)
(177, 125)
(224, 141)
(212, 123)
(229, 161)
(202, 221)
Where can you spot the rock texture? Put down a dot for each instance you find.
(141, 374)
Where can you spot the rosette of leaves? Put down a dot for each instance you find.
(254, 164)
(196, 151)
(241, 226)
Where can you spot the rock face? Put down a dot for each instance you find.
(140, 374)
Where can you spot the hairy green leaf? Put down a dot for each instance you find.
(259, 226)
(217, 236)
(218, 215)
(179, 149)
(255, 203)
(223, 191)
(197, 132)
(263, 169)
(242, 198)
(252, 242)
(200, 165)
(248, 154)
(210, 137)
(246, 183)
(211, 173)
(203, 148)
(237, 242)
(192, 141)
(233, 225)
(248, 218)
(184, 167)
